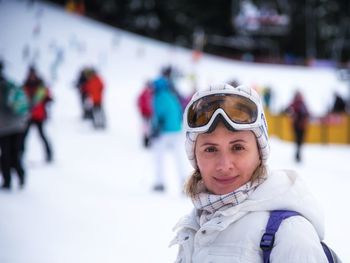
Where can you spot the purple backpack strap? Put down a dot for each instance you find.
(330, 254)
(268, 238)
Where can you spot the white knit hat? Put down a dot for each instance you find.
(260, 132)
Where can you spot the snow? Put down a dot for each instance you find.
(94, 203)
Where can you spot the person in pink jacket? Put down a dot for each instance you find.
(233, 191)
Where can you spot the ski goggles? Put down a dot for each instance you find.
(240, 112)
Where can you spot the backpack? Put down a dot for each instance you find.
(17, 101)
(144, 102)
(268, 238)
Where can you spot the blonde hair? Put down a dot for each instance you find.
(192, 184)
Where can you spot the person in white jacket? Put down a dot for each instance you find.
(233, 191)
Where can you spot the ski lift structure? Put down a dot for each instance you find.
(264, 17)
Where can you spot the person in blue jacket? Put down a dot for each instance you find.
(167, 127)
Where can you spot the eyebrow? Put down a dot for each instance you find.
(214, 144)
(207, 144)
(238, 140)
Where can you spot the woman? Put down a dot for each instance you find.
(233, 191)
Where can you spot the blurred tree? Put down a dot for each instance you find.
(316, 28)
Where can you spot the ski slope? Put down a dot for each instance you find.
(93, 203)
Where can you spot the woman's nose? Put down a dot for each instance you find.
(225, 162)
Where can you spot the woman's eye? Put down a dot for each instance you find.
(237, 147)
(210, 149)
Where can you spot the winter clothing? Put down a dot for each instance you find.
(144, 102)
(300, 116)
(267, 96)
(210, 203)
(167, 115)
(233, 234)
(259, 132)
(91, 89)
(167, 127)
(145, 107)
(81, 85)
(10, 122)
(13, 120)
(339, 105)
(298, 112)
(168, 141)
(94, 88)
(39, 96)
(10, 146)
(40, 126)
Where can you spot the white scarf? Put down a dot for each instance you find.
(208, 203)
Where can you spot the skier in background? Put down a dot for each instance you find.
(13, 121)
(299, 114)
(167, 127)
(81, 86)
(39, 97)
(339, 105)
(94, 87)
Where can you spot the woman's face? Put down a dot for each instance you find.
(226, 159)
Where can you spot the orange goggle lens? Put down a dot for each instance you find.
(239, 109)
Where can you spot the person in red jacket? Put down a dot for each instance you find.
(94, 87)
(39, 96)
(144, 105)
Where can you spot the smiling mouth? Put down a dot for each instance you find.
(225, 180)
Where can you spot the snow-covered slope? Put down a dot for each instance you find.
(94, 203)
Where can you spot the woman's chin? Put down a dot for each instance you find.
(223, 190)
(225, 186)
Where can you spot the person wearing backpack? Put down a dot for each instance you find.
(13, 120)
(39, 96)
(233, 191)
(94, 91)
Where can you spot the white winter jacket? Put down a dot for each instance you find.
(234, 235)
